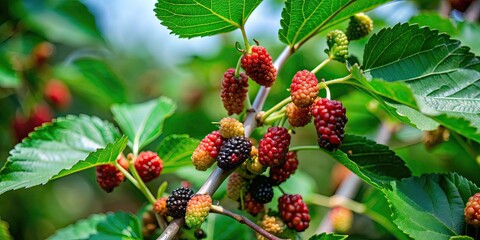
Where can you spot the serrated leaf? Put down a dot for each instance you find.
(176, 151)
(200, 18)
(301, 19)
(4, 232)
(442, 75)
(328, 236)
(93, 80)
(430, 206)
(143, 122)
(461, 238)
(372, 162)
(60, 146)
(118, 225)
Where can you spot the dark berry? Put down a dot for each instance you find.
(330, 119)
(261, 189)
(259, 67)
(460, 5)
(294, 212)
(177, 202)
(148, 165)
(304, 88)
(234, 91)
(109, 177)
(207, 151)
(273, 147)
(251, 206)
(298, 117)
(281, 173)
(234, 152)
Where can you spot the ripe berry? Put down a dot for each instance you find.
(298, 117)
(160, 206)
(472, 210)
(41, 114)
(57, 93)
(330, 119)
(294, 211)
(341, 219)
(231, 127)
(234, 152)
(23, 125)
(261, 189)
(236, 186)
(271, 224)
(259, 67)
(337, 43)
(234, 91)
(177, 202)
(360, 26)
(304, 88)
(207, 151)
(251, 206)
(197, 210)
(273, 147)
(109, 177)
(148, 165)
(281, 173)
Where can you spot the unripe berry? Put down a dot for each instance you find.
(231, 127)
(298, 117)
(304, 88)
(337, 43)
(472, 210)
(148, 165)
(197, 210)
(360, 26)
(259, 67)
(234, 91)
(207, 151)
(341, 219)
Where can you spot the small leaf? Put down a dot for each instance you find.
(461, 238)
(176, 152)
(430, 206)
(328, 236)
(200, 18)
(372, 162)
(118, 225)
(143, 123)
(57, 146)
(93, 80)
(442, 75)
(4, 232)
(301, 19)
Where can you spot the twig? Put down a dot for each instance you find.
(244, 220)
(218, 175)
(349, 186)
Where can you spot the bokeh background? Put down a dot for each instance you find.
(100, 52)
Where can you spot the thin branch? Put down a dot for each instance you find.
(244, 220)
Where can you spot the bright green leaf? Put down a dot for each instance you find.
(200, 18)
(118, 225)
(461, 238)
(442, 75)
(4, 232)
(176, 152)
(328, 236)
(57, 146)
(372, 162)
(430, 206)
(93, 80)
(143, 122)
(435, 21)
(302, 19)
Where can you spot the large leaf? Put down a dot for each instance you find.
(60, 146)
(143, 123)
(301, 19)
(94, 80)
(68, 22)
(430, 206)
(443, 76)
(176, 152)
(328, 236)
(374, 163)
(118, 225)
(199, 18)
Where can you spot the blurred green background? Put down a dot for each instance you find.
(104, 52)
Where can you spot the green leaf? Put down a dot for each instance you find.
(442, 75)
(461, 238)
(302, 19)
(143, 122)
(372, 162)
(60, 145)
(93, 80)
(118, 225)
(200, 18)
(176, 152)
(328, 236)
(8, 76)
(4, 233)
(435, 21)
(430, 206)
(68, 22)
